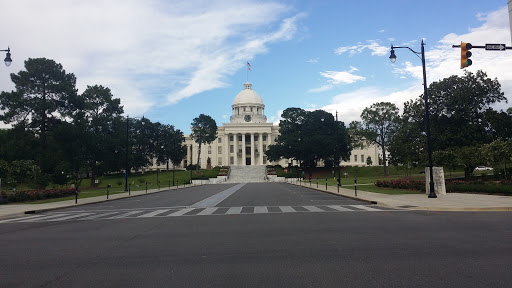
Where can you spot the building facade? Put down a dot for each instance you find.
(245, 139)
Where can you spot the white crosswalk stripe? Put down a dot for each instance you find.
(154, 213)
(287, 209)
(191, 211)
(234, 210)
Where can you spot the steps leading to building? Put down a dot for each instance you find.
(246, 174)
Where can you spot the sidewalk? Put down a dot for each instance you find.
(16, 210)
(448, 202)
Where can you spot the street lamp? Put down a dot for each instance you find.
(392, 57)
(7, 59)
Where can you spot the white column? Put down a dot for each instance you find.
(235, 138)
(243, 149)
(260, 148)
(225, 152)
(252, 149)
(269, 140)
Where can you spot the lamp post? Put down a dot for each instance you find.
(392, 57)
(7, 59)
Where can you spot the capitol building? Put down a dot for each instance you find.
(245, 139)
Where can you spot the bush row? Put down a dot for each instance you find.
(22, 196)
(401, 184)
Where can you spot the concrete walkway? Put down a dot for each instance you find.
(449, 202)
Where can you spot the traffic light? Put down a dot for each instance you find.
(465, 54)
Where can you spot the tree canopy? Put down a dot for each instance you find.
(310, 136)
(204, 131)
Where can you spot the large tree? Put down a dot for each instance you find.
(44, 93)
(310, 136)
(204, 131)
(98, 111)
(379, 123)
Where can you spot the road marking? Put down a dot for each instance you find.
(70, 217)
(181, 212)
(154, 213)
(208, 211)
(125, 214)
(339, 208)
(99, 215)
(234, 210)
(364, 207)
(287, 209)
(45, 218)
(313, 208)
(21, 219)
(146, 213)
(212, 201)
(260, 209)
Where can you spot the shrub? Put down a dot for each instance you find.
(22, 196)
(401, 184)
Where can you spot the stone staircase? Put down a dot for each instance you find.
(247, 174)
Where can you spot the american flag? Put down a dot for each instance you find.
(248, 66)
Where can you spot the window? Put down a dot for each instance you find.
(219, 162)
(239, 137)
(264, 147)
(362, 158)
(231, 138)
(355, 158)
(209, 149)
(255, 138)
(219, 150)
(220, 140)
(251, 109)
(231, 161)
(231, 149)
(264, 137)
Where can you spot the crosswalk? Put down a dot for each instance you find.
(188, 211)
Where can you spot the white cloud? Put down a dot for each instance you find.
(442, 61)
(313, 60)
(342, 77)
(320, 89)
(130, 46)
(372, 45)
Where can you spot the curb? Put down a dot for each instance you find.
(35, 211)
(337, 194)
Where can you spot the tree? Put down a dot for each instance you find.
(379, 124)
(458, 109)
(310, 136)
(44, 93)
(470, 157)
(97, 113)
(499, 152)
(204, 131)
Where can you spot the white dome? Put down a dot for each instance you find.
(247, 96)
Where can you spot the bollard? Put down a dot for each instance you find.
(339, 184)
(146, 187)
(129, 188)
(325, 183)
(107, 192)
(158, 182)
(309, 181)
(76, 195)
(355, 186)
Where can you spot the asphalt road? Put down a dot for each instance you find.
(254, 235)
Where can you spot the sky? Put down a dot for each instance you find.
(171, 61)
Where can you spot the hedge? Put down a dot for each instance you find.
(22, 196)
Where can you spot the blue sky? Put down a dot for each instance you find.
(173, 60)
